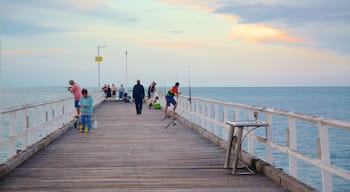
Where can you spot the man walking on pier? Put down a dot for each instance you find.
(138, 93)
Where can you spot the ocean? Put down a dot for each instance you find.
(330, 102)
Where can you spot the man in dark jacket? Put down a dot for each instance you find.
(138, 93)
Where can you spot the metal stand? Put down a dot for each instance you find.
(234, 141)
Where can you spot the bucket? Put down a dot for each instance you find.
(94, 124)
(156, 106)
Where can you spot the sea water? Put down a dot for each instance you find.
(330, 102)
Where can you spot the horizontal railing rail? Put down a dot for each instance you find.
(212, 115)
(25, 125)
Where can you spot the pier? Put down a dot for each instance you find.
(129, 152)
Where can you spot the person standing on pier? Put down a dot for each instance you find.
(85, 102)
(169, 97)
(114, 91)
(151, 89)
(138, 94)
(76, 91)
(121, 92)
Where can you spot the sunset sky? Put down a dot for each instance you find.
(218, 42)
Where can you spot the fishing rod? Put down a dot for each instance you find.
(189, 86)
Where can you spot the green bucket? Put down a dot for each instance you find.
(156, 106)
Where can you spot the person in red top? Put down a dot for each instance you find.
(169, 97)
(76, 91)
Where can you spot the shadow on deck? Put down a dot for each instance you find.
(129, 152)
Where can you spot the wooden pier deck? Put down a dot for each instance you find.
(131, 153)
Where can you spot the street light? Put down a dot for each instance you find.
(99, 59)
(126, 71)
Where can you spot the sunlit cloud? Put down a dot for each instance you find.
(32, 51)
(262, 33)
(230, 17)
(173, 44)
(194, 4)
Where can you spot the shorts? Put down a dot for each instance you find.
(170, 99)
(76, 104)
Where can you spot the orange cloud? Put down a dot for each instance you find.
(261, 32)
(199, 6)
(230, 17)
(31, 51)
(174, 44)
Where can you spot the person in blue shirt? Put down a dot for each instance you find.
(86, 110)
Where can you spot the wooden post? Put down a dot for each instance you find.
(251, 141)
(292, 145)
(12, 133)
(268, 152)
(229, 147)
(325, 157)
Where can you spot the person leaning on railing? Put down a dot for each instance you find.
(76, 91)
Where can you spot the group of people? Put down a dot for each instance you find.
(83, 102)
(139, 95)
(111, 92)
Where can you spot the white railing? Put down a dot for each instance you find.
(212, 115)
(23, 126)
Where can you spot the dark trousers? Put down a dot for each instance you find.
(138, 105)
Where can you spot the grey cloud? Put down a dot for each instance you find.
(324, 23)
(337, 11)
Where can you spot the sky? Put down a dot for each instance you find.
(202, 43)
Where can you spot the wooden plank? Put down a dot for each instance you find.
(130, 152)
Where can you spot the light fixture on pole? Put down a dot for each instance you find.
(98, 59)
(126, 71)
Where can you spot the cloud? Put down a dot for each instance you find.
(173, 44)
(32, 51)
(262, 33)
(321, 11)
(199, 5)
(325, 24)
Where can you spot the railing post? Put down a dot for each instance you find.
(292, 143)
(251, 129)
(216, 117)
(25, 130)
(35, 123)
(46, 131)
(12, 135)
(268, 152)
(325, 157)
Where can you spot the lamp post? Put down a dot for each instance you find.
(126, 71)
(99, 59)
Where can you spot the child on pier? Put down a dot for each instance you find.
(85, 110)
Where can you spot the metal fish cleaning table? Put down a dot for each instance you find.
(235, 139)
